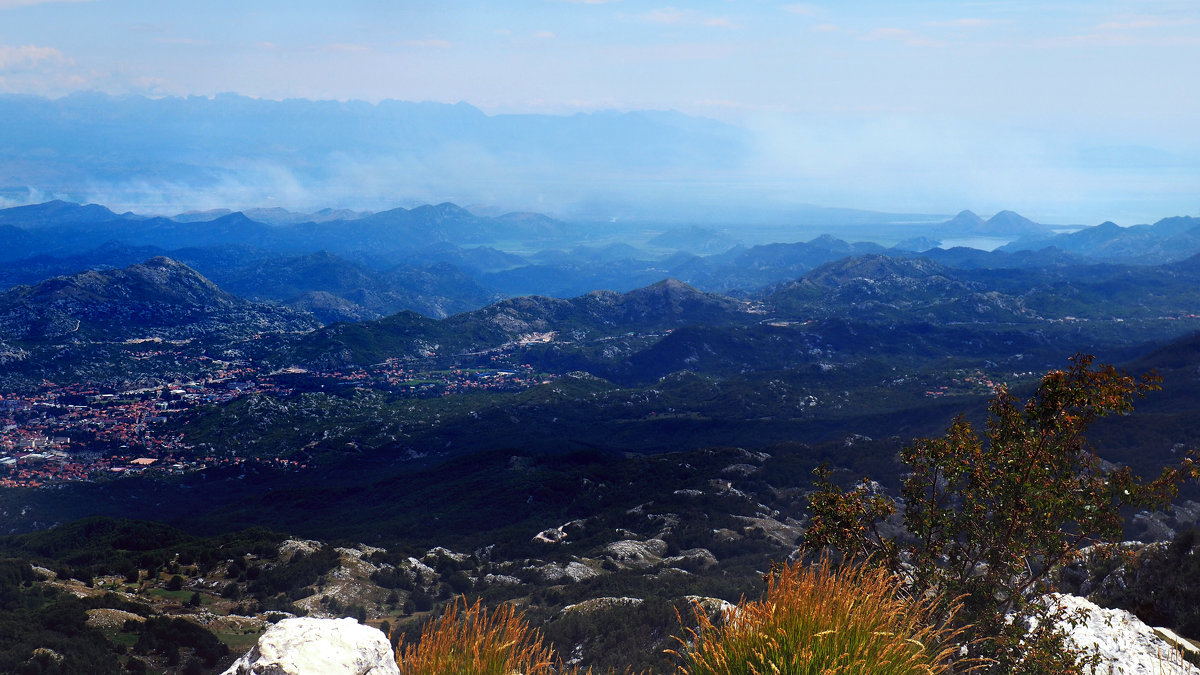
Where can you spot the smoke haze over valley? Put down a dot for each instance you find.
(170, 155)
(716, 113)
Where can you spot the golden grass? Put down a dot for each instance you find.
(819, 620)
(467, 640)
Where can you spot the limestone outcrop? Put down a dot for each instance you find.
(1125, 644)
(308, 646)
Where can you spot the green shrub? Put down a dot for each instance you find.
(990, 517)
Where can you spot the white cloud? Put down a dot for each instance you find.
(967, 23)
(347, 47)
(10, 4)
(672, 16)
(668, 15)
(904, 35)
(719, 22)
(1140, 23)
(44, 71)
(186, 41)
(803, 9)
(433, 44)
(28, 56)
(1116, 38)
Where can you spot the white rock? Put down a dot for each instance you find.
(501, 580)
(439, 551)
(1126, 645)
(553, 535)
(740, 469)
(713, 607)
(308, 646)
(699, 557)
(637, 553)
(45, 573)
(423, 571)
(572, 572)
(597, 604)
(290, 547)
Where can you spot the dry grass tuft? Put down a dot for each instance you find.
(817, 619)
(468, 640)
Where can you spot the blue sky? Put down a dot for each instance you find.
(1070, 111)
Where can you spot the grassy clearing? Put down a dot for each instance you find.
(238, 641)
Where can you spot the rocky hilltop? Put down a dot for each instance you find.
(160, 297)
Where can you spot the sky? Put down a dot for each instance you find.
(1066, 111)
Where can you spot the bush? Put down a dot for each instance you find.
(164, 635)
(820, 620)
(988, 519)
(467, 639)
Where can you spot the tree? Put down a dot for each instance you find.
(988, 518)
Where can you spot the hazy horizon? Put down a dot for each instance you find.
(1067, 112)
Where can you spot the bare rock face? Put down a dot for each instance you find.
(1125, 644)
(308, 646)
(637, 553)
(572, 572)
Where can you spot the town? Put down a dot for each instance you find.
(86, 432)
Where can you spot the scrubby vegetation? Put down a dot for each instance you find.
(987, 520)
(46, 631)
(818, 619)
(469, 639)
(604, 554)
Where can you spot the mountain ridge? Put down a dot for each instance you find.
(159, 295)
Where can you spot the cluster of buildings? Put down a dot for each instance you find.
(396, 377)
(975, 383)
(79, 432)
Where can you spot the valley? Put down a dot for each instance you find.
(306, 437)
(586, 337)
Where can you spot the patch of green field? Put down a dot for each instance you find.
(238, 641)
(180, 596)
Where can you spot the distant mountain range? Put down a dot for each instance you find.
(437, 290)
(60, 228)
(442, 260)
(1167, 240)
(662, 306)
(866, 304)
(1003, 224)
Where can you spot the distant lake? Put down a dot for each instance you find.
(981, 243)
